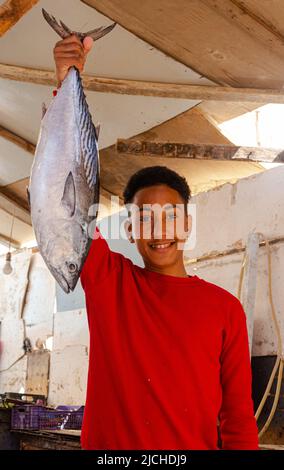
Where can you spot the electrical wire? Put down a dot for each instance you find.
(279, 360)
(15, 362)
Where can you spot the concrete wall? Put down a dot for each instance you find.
(26, 310)
(224, 218)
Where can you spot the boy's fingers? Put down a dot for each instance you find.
(70, 58)
(73, 38)
(88, 43)
(69, 48)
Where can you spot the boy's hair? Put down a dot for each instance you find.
(154, 175)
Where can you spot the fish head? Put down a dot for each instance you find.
(66, 253)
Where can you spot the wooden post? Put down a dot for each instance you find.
(250, 281)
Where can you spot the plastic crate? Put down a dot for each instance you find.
(40, 417)
(26, 417)
(61, 418)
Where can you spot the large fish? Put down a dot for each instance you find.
(64, 180)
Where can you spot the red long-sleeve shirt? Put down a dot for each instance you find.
(168, 356)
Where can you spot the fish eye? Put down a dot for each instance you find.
(72, 267)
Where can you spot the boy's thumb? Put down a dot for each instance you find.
(87, 43)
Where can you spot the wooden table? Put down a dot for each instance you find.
(49, 440)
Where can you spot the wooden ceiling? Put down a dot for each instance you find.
(231, 42)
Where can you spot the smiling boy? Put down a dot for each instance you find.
(169, 352)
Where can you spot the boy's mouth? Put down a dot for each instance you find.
(161, 246)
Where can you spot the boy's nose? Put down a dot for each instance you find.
(162, 229)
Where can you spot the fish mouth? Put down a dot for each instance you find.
(67, 286)
(63, 284)
(62, 281)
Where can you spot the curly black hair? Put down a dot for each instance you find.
(154, 175)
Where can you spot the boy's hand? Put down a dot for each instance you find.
(70, 52)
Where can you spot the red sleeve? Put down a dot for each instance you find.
(100, 261)
(237, 422)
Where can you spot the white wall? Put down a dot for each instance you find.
(225, 217)
(26, 310)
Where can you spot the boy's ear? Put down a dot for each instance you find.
(188, 224)
(128, 230)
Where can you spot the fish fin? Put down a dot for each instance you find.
(98, 128)
(53, 23)
(68, 199)
(28, 195)
(43, 109)
(68, 30)
(64, 31)
(99, 32)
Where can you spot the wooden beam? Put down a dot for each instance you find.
(11, 11)
(6, 240)
(17, 140)
(17, 197)
(196, 151)
(147, 88)
(9, 203)
(12, 208)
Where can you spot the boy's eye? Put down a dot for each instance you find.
(171, 216)
(145, 218)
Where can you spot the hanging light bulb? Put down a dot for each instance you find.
(7, 266)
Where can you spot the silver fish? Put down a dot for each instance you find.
(64, 179)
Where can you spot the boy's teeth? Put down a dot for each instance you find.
(165, 245)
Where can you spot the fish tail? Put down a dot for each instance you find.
(64, 31)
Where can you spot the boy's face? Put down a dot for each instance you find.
(159, 225)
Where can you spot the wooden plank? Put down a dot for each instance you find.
(248, 21)
(221, 111)
(38, 372)
(214, 44)
(14, 209)
(11, 11)
(269, 12)
(16, 192)
(196, 151)
(17, 140)
(248, 292)
(191, 126)
(147, 88)
(7, 240)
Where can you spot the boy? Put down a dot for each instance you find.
(169, 352)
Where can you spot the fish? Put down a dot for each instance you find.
(65, 175)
